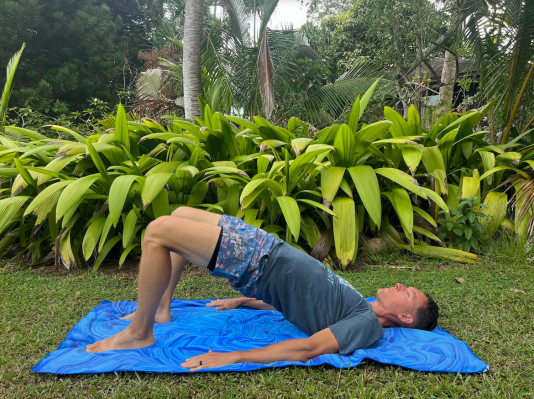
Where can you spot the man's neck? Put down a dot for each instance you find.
(383, 316)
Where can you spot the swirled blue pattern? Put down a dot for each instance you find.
(195, 329)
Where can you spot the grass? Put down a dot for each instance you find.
(39, 306)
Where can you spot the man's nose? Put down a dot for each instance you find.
(399, 286)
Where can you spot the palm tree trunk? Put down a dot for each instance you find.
(194, 18)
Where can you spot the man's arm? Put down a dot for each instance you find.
(234, 303)
(294, 350)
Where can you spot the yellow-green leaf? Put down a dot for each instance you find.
(495, 212)
(331, 178)
(368, 189)
(345, 230)
(290, 210)
(91, 236)
(73, 193)
(153, 186)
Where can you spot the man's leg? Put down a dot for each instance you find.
(163, 314)
(192, 240)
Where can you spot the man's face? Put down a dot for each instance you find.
(401, 300)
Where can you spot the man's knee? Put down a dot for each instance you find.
(183, 212)
(157, 231)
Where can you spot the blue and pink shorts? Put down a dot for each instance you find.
(243, 253)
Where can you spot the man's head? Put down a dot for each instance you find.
(407, 307)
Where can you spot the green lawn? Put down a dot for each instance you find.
(38, 307)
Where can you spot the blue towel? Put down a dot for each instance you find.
(195, 329)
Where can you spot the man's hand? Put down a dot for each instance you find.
(209, 360)
(227, 304)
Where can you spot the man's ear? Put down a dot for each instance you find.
(406, 318)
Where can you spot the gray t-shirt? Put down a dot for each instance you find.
(313, 298)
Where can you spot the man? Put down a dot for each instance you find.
(272, 275)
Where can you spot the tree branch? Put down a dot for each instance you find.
(426, 52)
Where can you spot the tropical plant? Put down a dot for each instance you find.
(6, 93)
(462, 226)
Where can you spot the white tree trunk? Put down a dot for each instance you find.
(194, 18)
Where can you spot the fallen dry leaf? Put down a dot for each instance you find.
(459, 280)
(76, 294)
(518, 290)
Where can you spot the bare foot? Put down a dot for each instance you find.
(123, 340)
(163, 316)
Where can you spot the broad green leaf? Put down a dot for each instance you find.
(77, 136)
(412, 154)
(160, 204)
(270, 144)
(98, 161)
(91, 236)
(182, 140)
(403, 207)
(165, 167)
(331, 178)
(366, 184)
(48, 195)
(65, 250)
(436, 198)
(470, 187)
(117, 196)
(110, 244)
(160, 136)
(126, 252)
(9, 207)
(28, 178)
(232, 199)
(10, 74)
(488, 161)
(402, 179)
(153, 186)
(129, 229)
(71, 148)
(293, 123)
(299, 145)
(345, 230)
(426, 233)
(355, 116)
(33, 136)
(317, 205)
(56, 165)
(425, 216)
(290, 210)
(367, 96)
(105, 232)
(495, 212)
(344, 144)
(443, 253)
(198, 194)
(346, 187)
(73, 193)
(399, 125)
(499, 168)
(433, 161)
(414, 123)
(9, 172)
(122, 136)
(37, 151)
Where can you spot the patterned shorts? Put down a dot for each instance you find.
(243, 253)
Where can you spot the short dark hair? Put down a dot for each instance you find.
(426, 317)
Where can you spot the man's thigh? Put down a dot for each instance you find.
(193, 240)
(198, 215)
